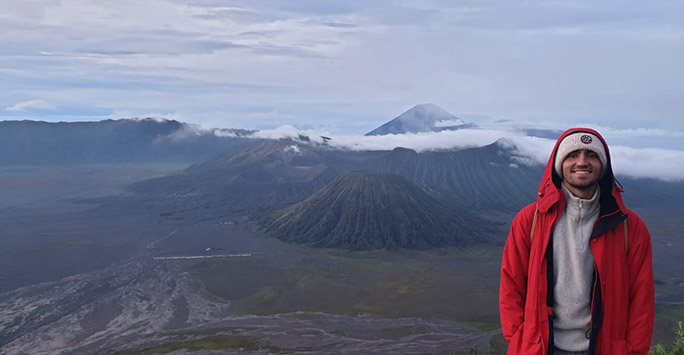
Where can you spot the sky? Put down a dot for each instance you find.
(346, 67)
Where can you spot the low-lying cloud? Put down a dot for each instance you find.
(448, 123)
(664, 164)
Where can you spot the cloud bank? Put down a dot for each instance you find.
(663, 164)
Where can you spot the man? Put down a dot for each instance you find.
(576, 275)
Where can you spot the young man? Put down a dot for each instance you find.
(576, 275)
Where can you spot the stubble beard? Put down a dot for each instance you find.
(584, 186)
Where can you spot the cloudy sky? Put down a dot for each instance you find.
(346, 67)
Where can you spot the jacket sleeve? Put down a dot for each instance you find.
(641, 287)
(513, 287)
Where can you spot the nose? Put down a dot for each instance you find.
(583, 158)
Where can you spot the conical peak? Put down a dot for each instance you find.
(429, 109)
(420, 118)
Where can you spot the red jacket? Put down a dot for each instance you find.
(623, 302)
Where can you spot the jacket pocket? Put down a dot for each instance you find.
(525, 342)
(532, 344)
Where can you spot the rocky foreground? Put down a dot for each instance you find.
(152, 305)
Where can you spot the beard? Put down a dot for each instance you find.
(583, 185)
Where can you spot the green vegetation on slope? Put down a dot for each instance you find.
(218, 342)
(667, 318)
(677, 347)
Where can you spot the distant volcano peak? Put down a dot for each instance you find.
(420, 118)
(429, 109)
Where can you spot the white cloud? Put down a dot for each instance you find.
(31, 105)
(292, 149)
(286, 131)
(448, 123)
(224, 133)
(529, 150)
(664, 164)
(189, 131)
(420, 141)
(158, 116)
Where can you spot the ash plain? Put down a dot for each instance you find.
(86, 270)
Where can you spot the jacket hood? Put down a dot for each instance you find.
(549, 192)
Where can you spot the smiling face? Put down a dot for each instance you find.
(581, 172)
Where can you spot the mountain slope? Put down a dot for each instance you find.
(421, 118)
(372, 211)
(261, 174)
(478, 178)
(275, 174)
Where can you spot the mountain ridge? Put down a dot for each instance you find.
(110, 141)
